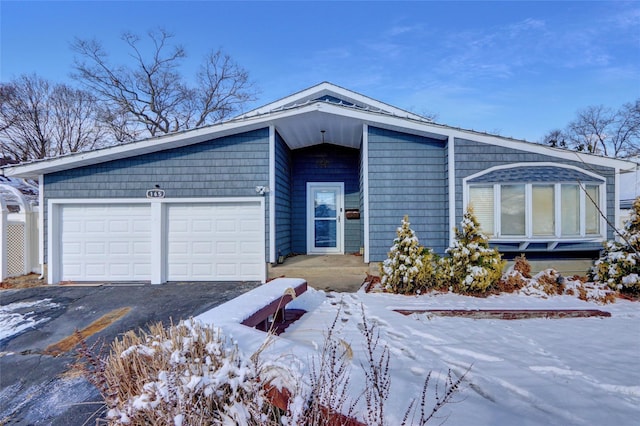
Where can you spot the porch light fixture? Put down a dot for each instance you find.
(322, 132)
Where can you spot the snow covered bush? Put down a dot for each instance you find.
(398, 273)
(472, 266)
(517, 276)
(619, 262)
(185, 374)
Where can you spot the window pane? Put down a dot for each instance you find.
(481, 199)
(512, 209)
(570, 210)
(543, 211)
(591, 209)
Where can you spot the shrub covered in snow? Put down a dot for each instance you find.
(517, 276)
(619, 262)
(399, 272)
(185, 374)
(472, 266)
(190, 374)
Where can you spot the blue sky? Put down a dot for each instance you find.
(514, 68)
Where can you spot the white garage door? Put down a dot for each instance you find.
(215, 242)
(105, 242)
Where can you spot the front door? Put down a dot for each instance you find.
(324, 217)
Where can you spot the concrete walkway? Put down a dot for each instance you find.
(344, 273)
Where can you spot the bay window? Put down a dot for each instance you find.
(538, 211)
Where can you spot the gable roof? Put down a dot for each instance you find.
(322, 113)
(332, 93)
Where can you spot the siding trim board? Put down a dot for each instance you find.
(365, 189)
(451, 178)
(272, 194)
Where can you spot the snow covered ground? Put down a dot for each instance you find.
(578, 371)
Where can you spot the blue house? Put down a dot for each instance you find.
(323, 171)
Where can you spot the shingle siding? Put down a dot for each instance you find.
(325, 163)
(283, 197)
(473, 157)
(227, 167)
(407, 176)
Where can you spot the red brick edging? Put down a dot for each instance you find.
(509, 314)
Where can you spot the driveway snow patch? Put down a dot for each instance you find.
(20, 316)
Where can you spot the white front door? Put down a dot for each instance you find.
(325, 222)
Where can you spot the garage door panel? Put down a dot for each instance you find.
(226, 226)
(205, 241)
(105, 243)
(95, 248)
(250, 247)
(227, 269)
(202, 225)
(226, 247)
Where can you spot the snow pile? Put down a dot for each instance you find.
(20, 316)
(576, 371)
(526, 372)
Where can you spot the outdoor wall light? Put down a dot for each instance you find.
(261, 190)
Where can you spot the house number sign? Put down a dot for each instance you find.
(155, 193)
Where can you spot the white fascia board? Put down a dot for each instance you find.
(145, 146)
(327, 88)
(300, 96)
(442, 132)
(372, 118)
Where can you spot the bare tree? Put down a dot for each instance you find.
(152, 93)
(555, 138)
(600, 130)
(39, 119)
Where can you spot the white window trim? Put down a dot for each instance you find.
(529, 237)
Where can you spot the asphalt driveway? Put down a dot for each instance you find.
(38, 385)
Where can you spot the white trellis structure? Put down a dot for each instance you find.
(18, 228)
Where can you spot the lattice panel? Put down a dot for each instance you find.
(15, 246)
